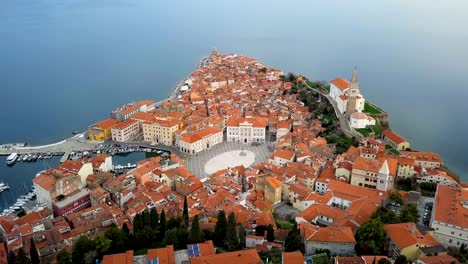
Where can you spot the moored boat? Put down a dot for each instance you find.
(11, 159)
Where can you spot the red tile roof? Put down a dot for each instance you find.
(407, 234)
(249, 256)
(341, 83)
(165, 255)
(106, 123)
(397, 139)
(122, 258)
(293, 258)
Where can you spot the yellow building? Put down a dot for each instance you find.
(272, 190)
(102, 130)
(160, 131)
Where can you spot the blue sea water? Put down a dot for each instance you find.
(66, 64)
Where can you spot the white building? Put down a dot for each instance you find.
(449, 216)
(437, 177)
(282, 157)
(246, 130)
(126, 111)
(201, 140)
(347, 95)
(125, 130)
(361, 120)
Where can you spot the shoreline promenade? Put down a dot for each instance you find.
(79, 142)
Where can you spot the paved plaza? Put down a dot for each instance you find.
(224, 155)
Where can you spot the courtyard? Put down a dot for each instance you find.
(224, 155)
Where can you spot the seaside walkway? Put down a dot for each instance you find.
(75, 143)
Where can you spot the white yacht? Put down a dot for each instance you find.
(11, 159)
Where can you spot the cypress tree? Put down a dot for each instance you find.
(220, 229)
(125, 229)
(11, 258)
(136, 223)
(195, 232)
(293, 241)
(146, 218)
(154, 218)
(162, 224)
(33, 253)
(185, 215)
(242, 235)
(270, 233)
(232, 240)
(22, 257)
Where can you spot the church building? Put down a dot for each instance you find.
(350, 101)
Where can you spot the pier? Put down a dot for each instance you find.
(65, 157)
(75, 143)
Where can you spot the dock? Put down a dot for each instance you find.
(65, 156)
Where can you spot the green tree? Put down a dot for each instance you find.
(401, 260)
(154, 218)
(276, 255)
(182, 237)
(270, 233)
(64, 257)
(22, 257)
(11, 258)
(195, 232)
(242, 235)
(220, 229)
(162, 224)
(370, 237)
(385, 215)
(293, 240)
(82, 246)
(102, 245)
(260, 230)
(171, 237)
(232, 240)
(33, 253)
(396, 197)
(409, 213)
(146, 218)
(175, 222)
(118, 239)
(137, 223)
(185, 215)
(384, 261)
(145, 237)
(207, 234)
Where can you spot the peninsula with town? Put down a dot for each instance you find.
(243, 164)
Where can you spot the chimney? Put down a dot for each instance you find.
(412, 228)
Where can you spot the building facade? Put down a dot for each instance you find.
(374, 173)
(161, 131)
(126, 111)
(246, 130)
(450, 209)
(102, 130)
(71, 204)
(125, 130)
(201, 140)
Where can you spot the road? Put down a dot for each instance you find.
(344, 124)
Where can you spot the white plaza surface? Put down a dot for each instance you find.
(229, 159)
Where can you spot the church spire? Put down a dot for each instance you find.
(354, 81)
